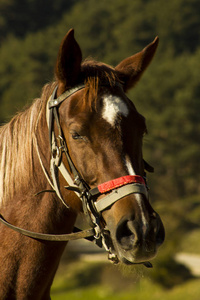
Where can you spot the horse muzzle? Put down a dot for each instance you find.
(135, 241)
(135, 229)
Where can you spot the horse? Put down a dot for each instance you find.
(75, 152)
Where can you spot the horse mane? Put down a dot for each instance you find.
(17, 136)
(16, 148)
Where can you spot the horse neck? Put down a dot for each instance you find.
(25, 161)
(35, 262)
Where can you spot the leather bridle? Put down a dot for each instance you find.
(113, 190)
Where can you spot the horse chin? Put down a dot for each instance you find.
(128, 260)
(135, 256)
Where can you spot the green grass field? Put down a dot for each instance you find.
(88, 281)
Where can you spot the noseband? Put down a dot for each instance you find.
(112, 190)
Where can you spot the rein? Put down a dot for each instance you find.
(50, 237)
(113, 190)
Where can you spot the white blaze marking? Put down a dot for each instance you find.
(138, 197)
(113, 106)
(129, 166)
(139, 202)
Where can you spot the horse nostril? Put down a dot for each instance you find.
(125, 235)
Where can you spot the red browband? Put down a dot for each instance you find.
(115, 183)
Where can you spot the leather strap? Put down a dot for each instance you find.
(54, 175)
(119, 193)
(58, 144)
(53, 102)
(116, 183)
(51, 237)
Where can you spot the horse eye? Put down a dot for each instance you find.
(76, 136)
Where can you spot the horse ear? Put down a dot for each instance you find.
(68, 61)
(131, 68)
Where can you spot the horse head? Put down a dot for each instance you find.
(103, 132)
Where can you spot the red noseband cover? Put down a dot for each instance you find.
(115, 183)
